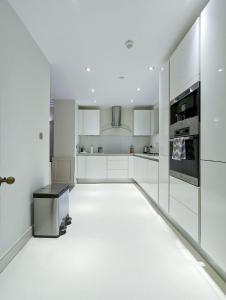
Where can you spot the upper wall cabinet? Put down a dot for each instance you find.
(143, 122)
(184, 63)
(89, 122)
(213, 80)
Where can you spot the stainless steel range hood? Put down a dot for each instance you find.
(116, 117)
(116, 120)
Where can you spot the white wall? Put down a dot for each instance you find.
(24, 112)
(64, 128)
(114, 143)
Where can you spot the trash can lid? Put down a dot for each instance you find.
(54, 190)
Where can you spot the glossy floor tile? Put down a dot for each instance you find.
(117, 247)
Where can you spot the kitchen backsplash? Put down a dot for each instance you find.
(114, 144)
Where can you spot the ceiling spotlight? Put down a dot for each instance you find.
(129, 44)
(220, 70)
(138, 89)
(151, 68)
(88, 69)
(95, 101)
(131, 100)
(93, 91)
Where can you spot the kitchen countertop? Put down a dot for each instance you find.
(142, 155)
(147, 156)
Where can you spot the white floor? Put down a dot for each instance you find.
(118, 248)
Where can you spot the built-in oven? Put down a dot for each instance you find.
(187, 169)
(185, 127)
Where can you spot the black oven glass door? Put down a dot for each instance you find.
(187, 169)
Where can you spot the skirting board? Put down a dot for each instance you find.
(105, 180)
(211, 268)
(6, 258)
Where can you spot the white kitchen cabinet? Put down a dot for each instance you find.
(146, 175)
(164, 102)
(143, 122)
(105, 167)
(89, 122)
(153, 179)
(184, 206)
(139, 170)
(213, 211)
(131, 167)
(213, 81)
(185, 61)
(118, 167)
(184, 217)
(96, 167)
(185, 193)
(164, 182)
(81, 167)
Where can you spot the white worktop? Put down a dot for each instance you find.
(142, 155)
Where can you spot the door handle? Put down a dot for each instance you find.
(8, 180)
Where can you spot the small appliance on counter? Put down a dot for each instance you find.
(131, 149)
(100, 149)
(91, 149)
(146, 150)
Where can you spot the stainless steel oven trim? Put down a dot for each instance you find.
(192, 123)
(187, 92)
(184, 177)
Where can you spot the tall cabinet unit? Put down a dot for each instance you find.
(184, 63)
(213, 138)
(164, 137)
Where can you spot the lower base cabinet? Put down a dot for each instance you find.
(213, 211)
(184, 206)
(164, 183)
(146, 175)
(104, 167)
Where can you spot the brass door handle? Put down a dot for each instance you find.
(8, 180)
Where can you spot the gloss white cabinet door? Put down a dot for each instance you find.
(89, 122)
(164, 110)
(81, 167)
(185, 62)
(184, 206)
(213, 211)
(96, 167)
(150, 178)
(164, 182)
(213, 81)
(142, 122)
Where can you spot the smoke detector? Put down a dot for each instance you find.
(129, 44)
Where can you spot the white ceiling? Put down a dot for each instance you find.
(74, 34)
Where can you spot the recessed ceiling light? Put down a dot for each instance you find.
(162, 68)
(88, 69)
(131, 100)
(93, 90)
(95, 101)
(220, 70)
(138, 89)
(129, 44)
(151, 68)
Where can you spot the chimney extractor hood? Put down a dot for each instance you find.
(116, 116)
